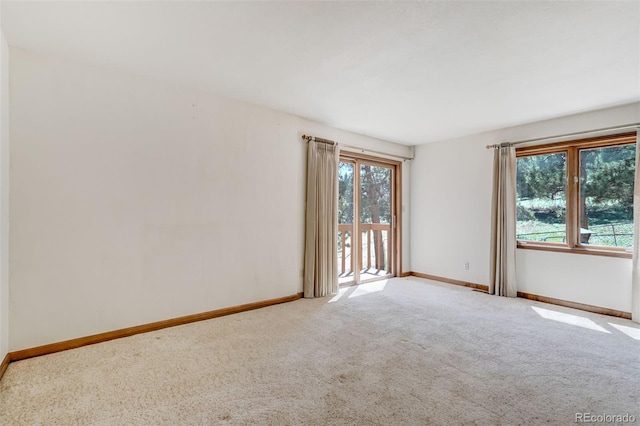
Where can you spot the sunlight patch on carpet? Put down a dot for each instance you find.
(341, 293)
(634, 333)
(368, 288)
(569, 319)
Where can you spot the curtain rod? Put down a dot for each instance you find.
(565, 135)
(348, 147)
(321, 140)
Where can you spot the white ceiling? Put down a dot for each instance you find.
(410, 72)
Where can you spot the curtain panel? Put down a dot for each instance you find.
(320, 254)
(503, 223)
(635, 265)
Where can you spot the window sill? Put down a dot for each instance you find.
(575, 250)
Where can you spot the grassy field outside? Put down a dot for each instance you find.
(614, 234)
(544, 220)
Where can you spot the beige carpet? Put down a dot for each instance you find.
(408, 352)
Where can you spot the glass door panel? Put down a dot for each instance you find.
(346, 208)
(375, 221)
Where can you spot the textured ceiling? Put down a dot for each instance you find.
(410, 72)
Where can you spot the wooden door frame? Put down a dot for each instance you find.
(396, 208)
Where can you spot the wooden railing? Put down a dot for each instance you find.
(373, 242)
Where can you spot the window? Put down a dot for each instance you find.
(577, 196)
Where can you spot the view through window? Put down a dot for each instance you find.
(578, 194)
(541, 182)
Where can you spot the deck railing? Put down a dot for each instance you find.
(375, 238)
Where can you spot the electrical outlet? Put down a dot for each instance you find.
(466, 265)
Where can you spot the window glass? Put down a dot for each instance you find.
(541, 198)
(605, 204)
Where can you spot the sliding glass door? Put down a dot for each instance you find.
(367, 220)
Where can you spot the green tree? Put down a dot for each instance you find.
(609, 176)
(345, 191)
(541, 176)
(375, 193)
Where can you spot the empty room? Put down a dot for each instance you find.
(317, 212)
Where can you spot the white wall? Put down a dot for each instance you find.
(451, 211)
(4, 194)
(135, 201)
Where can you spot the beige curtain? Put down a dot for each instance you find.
(320, 253)
(503, 223)
(635, 265)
